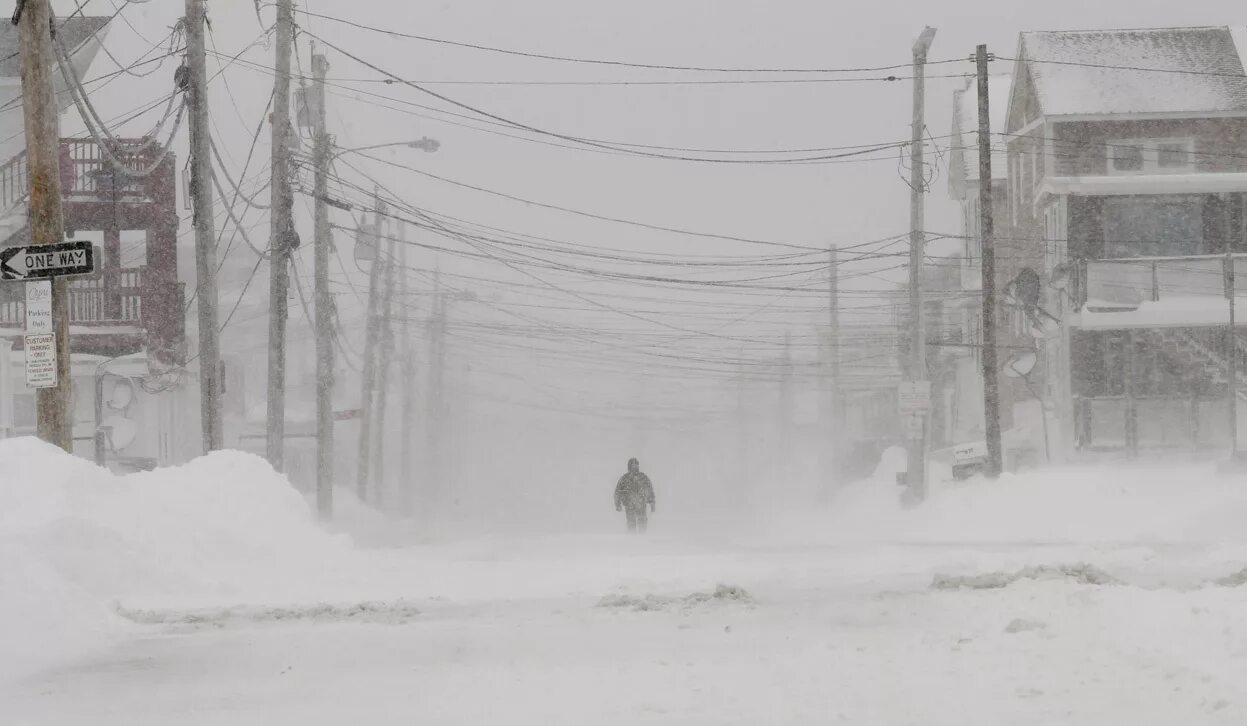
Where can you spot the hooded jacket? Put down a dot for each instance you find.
(634, 490)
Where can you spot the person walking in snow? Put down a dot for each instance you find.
(633, 494)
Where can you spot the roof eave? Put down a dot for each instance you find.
(1146, 115)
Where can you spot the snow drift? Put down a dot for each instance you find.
(1145, 502)
(75, 539)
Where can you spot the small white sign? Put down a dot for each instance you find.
(913, 396)
(970, 452)
(39, 307)
(41, 361)
(914, 429)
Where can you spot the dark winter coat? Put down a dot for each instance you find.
(634, 491)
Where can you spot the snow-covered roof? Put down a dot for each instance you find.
(966, 124)
(1161, 70)
(74, 33)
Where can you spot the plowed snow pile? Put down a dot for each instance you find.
(74, 539)
(1142, 502)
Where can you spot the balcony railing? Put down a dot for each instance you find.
(1125, 284)
(90, 303)
(85, 172)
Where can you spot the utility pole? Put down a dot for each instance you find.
(383, 385)
(786, 443)
(323, 300)
(407, 433)
(369, 377)
(835, 416)
(205, 235)
(917, 469)
(436, 398)
(280, 237)
(1231, 352)
(991, 380)
(47, 222)
(742, 429)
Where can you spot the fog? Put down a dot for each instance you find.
(561, 362)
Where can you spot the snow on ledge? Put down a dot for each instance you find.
(1176, 312)
(1146, 184)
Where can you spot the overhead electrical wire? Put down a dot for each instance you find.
(627, 64)
(565, 137)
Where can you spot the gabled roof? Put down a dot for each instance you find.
(74, 32)
(1161, 70)
(965, 138)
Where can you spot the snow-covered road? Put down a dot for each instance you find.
(209, 595)
(835, 634)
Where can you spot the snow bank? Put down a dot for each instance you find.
(1147, 503)
(75, 539)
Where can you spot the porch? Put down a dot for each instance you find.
(134, 301)
(1158, 292)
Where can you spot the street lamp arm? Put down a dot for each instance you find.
(424, 144)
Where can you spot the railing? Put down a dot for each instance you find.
(91, 303)
(86, 171)
(1126, 284)
(1120, 423)
(14, 182)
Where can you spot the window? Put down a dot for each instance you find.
(24, 415)
(971, 229)
(1173, 155)
(1154, 226)
(1127, 158)
(1136, 156)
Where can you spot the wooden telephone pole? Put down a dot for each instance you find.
(205, 236)
(991, 380)
(325, 329)
(47, 224)
(369, 377)
(835, 414)
(386, 315)
(280, 237)
(407, 431)
(917, 471)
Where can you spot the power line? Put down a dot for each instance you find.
(601, 62)
(566, 137)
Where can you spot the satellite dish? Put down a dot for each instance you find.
(122, 394)
(1061, 275)
(1021, 365)
(120, 430)
(1028, 287)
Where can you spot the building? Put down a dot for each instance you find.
(1126, 176)
(127, 336)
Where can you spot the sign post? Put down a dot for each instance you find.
(41, 360)
(913, 399)
(39, 307)
(34, 262)
(37, 265)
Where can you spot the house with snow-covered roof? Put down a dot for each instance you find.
(1126, 177)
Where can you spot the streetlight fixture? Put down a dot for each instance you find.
(423, 143)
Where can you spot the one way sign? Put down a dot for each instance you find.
(62, 259)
